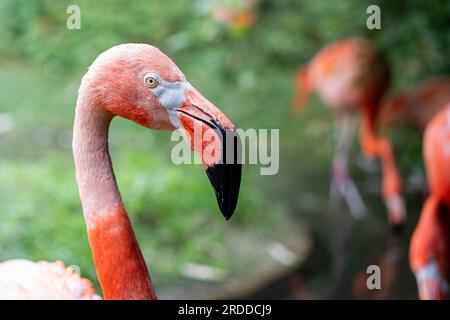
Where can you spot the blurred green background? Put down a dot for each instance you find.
(248, 72)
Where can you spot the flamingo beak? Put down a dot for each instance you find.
(214, 138)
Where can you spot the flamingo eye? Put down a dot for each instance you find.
(151, 81)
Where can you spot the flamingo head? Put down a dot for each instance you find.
(431, 283)
(140, 83)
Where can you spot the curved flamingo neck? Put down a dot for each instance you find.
(421, 248)
(381, 148)
(117, 257)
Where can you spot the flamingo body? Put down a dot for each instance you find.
(417, 105)
(27, 280)
(349, 75)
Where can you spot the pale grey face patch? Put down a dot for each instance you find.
(170, 95)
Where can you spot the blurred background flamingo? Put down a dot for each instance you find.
(351, 77)
(430, 244)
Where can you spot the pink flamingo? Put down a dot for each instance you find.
(28, 280)
(140, 83)
(351, 77)
(429, 252)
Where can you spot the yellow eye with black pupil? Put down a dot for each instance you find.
(151, 82)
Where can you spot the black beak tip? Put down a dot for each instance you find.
(227, 213)
(226, 180)
(225, 176)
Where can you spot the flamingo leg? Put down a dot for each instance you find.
(380, 148)
(341, 183)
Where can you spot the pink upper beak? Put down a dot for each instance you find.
(213, 137)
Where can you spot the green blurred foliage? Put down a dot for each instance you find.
(287, 31)
(247, 73)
